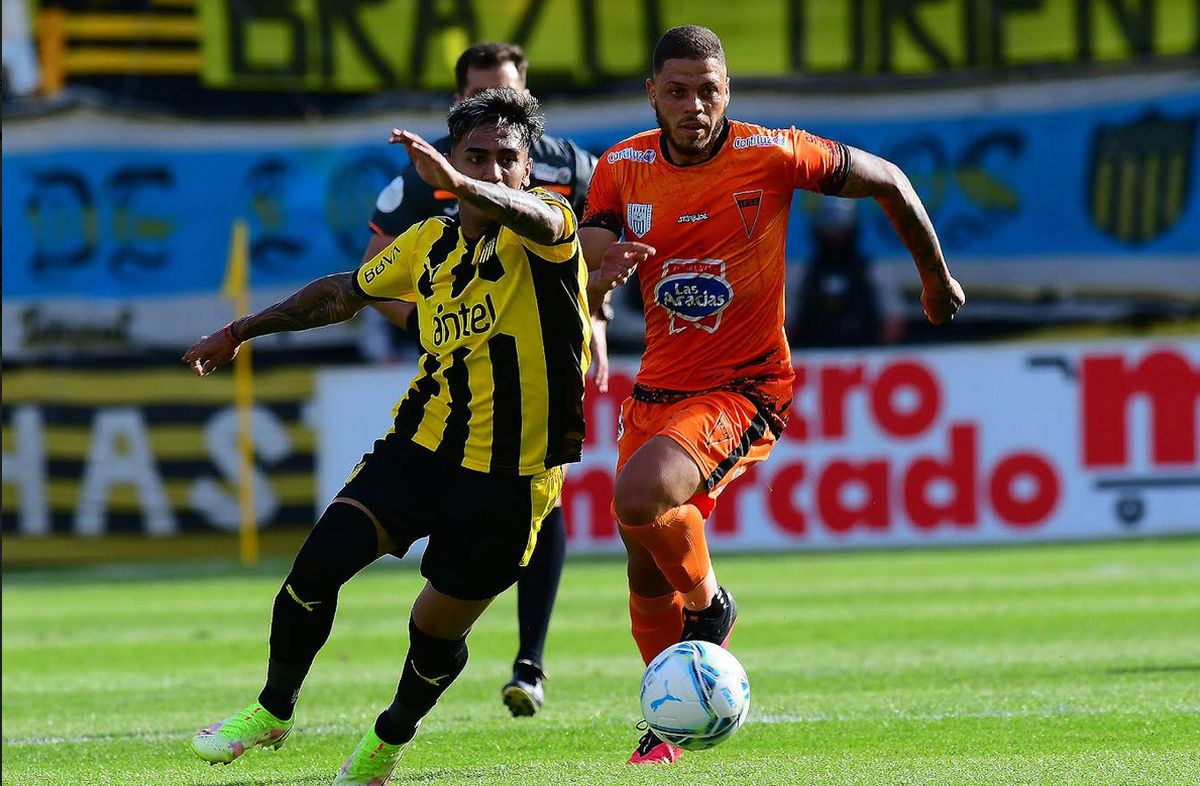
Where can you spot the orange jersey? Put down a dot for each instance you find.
(714, 292)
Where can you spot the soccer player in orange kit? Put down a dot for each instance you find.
(702, 202)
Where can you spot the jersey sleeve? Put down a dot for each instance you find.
(406, 201)
(388, 275)
(818, 164)
(604, 208)
(561, 250)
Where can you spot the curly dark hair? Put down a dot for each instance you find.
(688, 42)
(500, 107)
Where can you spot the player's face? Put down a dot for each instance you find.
(689, 99)
(493, 155)
(480, 79)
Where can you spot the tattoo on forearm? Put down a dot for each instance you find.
(520, 211)
(322, 302)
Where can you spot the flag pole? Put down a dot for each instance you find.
(237, 289)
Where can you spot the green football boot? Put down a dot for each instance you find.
(225, 740)
(372, 762)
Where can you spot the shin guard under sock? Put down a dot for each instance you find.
(676, 541)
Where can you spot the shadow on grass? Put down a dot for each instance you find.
(1179, 668)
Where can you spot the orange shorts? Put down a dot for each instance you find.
(723, 432)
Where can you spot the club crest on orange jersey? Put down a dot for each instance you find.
(694, 292)
(748, 204)
(637, 217)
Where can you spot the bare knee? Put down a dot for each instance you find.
(637, 498)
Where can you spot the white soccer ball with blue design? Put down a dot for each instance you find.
(695, 695)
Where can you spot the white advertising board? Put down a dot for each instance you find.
(1011, 443)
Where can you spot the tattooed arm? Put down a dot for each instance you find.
(870, 175)
(325, 301)
(520, 211)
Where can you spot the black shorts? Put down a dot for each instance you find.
(482, 527)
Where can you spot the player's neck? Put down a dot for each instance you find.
(473, 224)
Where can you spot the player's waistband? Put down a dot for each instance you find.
(772, 409)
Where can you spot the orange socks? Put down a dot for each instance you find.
(657, 623)
(676, 541)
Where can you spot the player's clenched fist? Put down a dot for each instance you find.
(942, 299)
(211, 351)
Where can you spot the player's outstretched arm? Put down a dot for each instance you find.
(522, 212)
(870, 175)
(325, 301)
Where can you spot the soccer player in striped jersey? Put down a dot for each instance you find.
(703, 202)
(561, 166)
(474, 460)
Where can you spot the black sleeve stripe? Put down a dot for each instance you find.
(604, 220)
(835, 181)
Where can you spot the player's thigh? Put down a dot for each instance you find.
(485, 529)
(391, 487)
(721, 432)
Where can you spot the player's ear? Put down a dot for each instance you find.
(650, 93)
(528, 171)
(457, 96)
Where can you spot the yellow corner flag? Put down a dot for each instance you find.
(237, 288)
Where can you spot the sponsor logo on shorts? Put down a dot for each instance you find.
(632, 154)
(692, 218)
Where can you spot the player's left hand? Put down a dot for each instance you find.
(431, 165)
(211, 352)
(942, 300)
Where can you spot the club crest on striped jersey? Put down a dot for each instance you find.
(637, 218)
(694, 292)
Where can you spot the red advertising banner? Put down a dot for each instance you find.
(906, 447)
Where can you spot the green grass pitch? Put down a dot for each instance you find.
(1055, 665)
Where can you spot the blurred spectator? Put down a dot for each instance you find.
(21, 76)
(840, 302)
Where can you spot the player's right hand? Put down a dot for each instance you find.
(211, 352)
(942, 300)
(619, 262)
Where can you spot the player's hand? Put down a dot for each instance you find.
(942, 299)
(211, 352)
(431, 165)
(618, 264)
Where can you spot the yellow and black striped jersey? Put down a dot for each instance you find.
(504, 328)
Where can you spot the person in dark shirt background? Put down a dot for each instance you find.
(839, 304)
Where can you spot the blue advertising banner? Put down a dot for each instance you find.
(1113, 180)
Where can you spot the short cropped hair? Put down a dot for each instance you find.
(490, 55)
(499, 107)
(689, 42)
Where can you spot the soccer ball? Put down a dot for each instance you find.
(695, 695)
